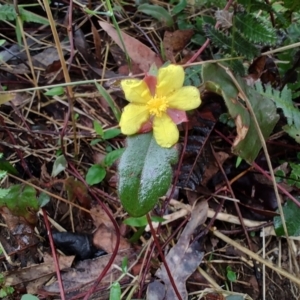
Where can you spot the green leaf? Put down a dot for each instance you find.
(145, 173)
(28, 16)
(230, 43)
(8, 167)
(124, 265)
(3, 193)
(283, 100)
(7, 13)
(115, 291)
(21, 201)
(29, 297)
(142, 221)
(254, 29)
(43, 199)
(95, 141)
(98, 128)
(136, 222)
(95, 174)
(56, 91)
(231, 275)
(59, 165)
(193, 76)
(291, 214)
(247, 144)
(179, 7)
(112, 156)
(111, 133)
(157, 12)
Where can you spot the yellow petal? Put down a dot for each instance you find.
(186, 98)
(133, 117)
(165, 131)
(169, 79)
(136, 91)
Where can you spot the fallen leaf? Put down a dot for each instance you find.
(224, 18)
(142, 55)
(183, 258)
(84, 273)
(100, 217)
(105, 238)
(175, 42)
(97, 42)
(36, 271)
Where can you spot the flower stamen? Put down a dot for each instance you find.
(157, 106)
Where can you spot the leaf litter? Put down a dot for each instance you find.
(34, 131)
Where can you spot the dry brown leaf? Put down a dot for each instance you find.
(241, 129)
(105, 238)
(97, 42)
(87, 271)
(224, 18)
(36, 271)
(100, 217)
(183, 258)
(175, 42)
(137, 51)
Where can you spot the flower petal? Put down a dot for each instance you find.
(133, 117)
(165, 131)
(169, 79)
(186, 98)
(136, 91)
(177, 116)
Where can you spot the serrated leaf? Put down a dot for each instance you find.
(59, 165)
(56, 91)
(230, 43)
(3, 193)
(21, 201)
(7, 13)
(157, 12)
(28, 16)
(283, 100)
(254, 29)
(95, 174)
(247, 143)
(145, 173)
(291, 214)
(112, 156)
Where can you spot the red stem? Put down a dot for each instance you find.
(163, 258)
(208, 40)
(56, 263)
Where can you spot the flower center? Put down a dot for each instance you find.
(157, 106)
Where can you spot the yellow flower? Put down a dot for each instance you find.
(158, 101)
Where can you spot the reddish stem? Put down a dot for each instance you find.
(115, 252)
(56, 263)
(163, 258)
(194, 57)
(257, 167)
